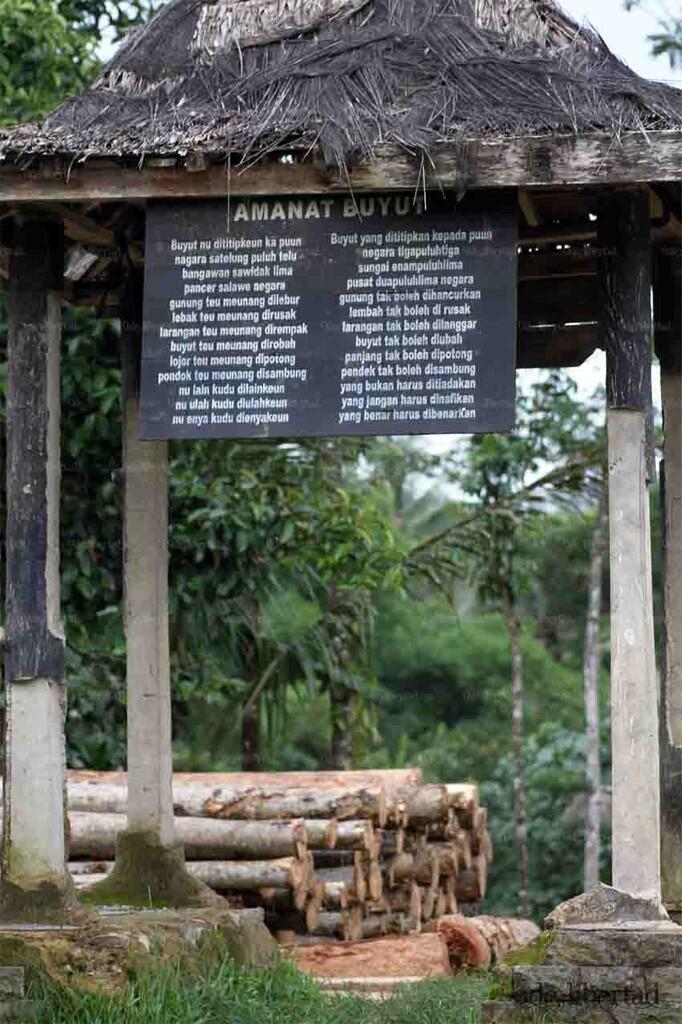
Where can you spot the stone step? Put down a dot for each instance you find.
(510, 1012)
(658, 945)
(560, 984)
(18, 1009)
(372, 988)
(11, 983)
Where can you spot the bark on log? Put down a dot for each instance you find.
(447, 857)
(94, 835)
(464, 800)
(417, 806)
(225, 875)
(335, 896)
(323, 834)
(342, 803)
(428, 902)
(467, 946)
(346, 925)
(472, 882)
(387, 924)
(421, 867)
(463, 844)
(277, 900)
(201, 799)
(352, 877)
(505, 935)
(247, 781)
(406, 899)
(350, 835)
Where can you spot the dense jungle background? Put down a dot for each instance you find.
(344, 603)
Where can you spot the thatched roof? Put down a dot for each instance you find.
(345, 76)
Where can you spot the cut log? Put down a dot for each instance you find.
(429, 894)
(447, 857)
(463, 844)
(393, 842)
(472, 882)
(353, 877)
(463, 799)
(505, 935)
(421, 956)
(387, 924)
(350, 835)
(375, 880)
(322, 834)
(94, 835)
(335, 896)
(467, 946)
(421, 866)
(277, 901)
(345, 925)
(226, 875)
(85, 881)
(427, 804)
(90, 867)
(407, 899)
(248, 780)
(344, 804)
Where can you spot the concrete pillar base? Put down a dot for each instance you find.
(147, 873)
(619, 973)
(45, 903)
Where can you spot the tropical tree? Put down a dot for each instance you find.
(511, 479)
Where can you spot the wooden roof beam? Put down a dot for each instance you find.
(537, 162)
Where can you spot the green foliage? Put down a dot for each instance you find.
(414, 714)
(42, 58)
(555, 780)
(221, 994)
(668, 40)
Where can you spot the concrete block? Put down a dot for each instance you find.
(655, 946)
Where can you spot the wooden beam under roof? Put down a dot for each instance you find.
(538, 162)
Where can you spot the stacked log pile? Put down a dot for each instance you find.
(348, 855)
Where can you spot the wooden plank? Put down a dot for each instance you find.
(625, 274)
(35, 639)
(570, 160)
(668, 338)
(145, 572)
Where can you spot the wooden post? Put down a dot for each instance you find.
(149, 863)
(145, 574)
(668, 335)
(625, 266)
(36, 884)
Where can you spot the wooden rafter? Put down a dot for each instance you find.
(561, 161)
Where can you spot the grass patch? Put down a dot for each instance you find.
(225, 994)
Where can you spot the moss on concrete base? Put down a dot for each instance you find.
(46, 903)
(148, 874)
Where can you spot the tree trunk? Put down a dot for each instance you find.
(343, 707)
(591, 663)
(520, 815)
(251, 759)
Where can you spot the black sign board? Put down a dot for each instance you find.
(309, 316)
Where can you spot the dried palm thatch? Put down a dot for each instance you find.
(345, 76)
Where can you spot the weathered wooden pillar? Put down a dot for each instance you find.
(625, 258)
(36, 885)
(668, 335)
(149, 864)
(145, 580)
